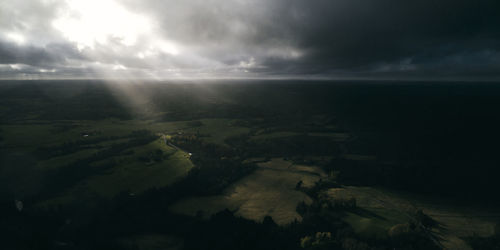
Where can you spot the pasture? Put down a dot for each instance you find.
(270, 190)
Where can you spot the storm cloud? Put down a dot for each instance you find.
(250, 39)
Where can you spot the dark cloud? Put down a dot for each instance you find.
(48, 56)
(296, 38)
(354, 34)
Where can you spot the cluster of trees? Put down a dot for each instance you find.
(153, 157)
(69, 147)
(456, 181)
(186, 139)
(297, 146)
(216, 166)
(492, 242)
(28, 229)
(320, 238)
(321, 185)
(336, 234)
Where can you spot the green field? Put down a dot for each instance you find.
(270, 190)
(137, 176)
(388, 208)
(127, 174)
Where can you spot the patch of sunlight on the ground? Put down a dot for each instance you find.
(270, 190)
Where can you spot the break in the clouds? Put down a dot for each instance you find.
(161, 39)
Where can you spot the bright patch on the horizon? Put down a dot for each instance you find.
(47, 70)
(18, 66)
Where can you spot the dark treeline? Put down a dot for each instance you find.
(492, 242)
(47, 152)
(216, 166)
(291, 146)
(458, 181)
(58, 179)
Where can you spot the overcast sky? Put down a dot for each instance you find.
(162, 39)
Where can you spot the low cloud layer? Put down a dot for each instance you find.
(161, 39)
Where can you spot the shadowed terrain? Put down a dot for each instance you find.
(262, 164)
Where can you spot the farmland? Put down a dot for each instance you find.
(268, 191)
(305, 163)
